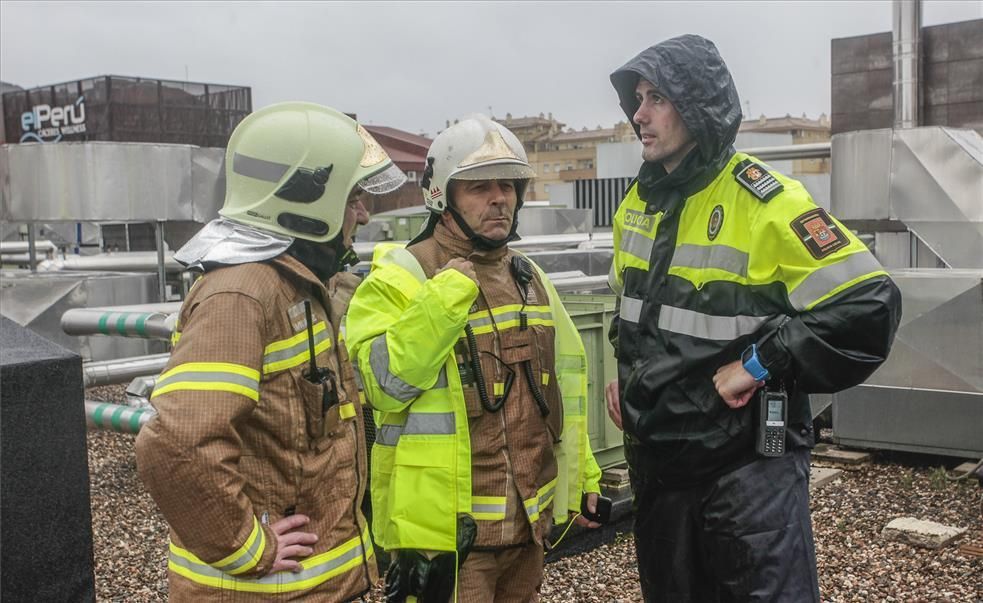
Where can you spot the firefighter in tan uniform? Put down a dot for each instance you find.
(478, 378)
(257, 454)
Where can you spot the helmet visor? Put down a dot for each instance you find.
(383, 182)
(496, 171)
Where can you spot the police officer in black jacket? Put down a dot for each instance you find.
(730, 279)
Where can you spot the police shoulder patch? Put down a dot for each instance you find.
(819, 233)
(755, 178)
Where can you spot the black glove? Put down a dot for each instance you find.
(412, 573)
(406, 576)
(430, 580)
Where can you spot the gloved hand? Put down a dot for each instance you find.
(406, 576)
(415, 573)
(429, 576)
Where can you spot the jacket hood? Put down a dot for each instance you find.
(689, 72)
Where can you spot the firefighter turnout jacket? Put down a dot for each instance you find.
(439, 453)
(242, 438)
(743, 257)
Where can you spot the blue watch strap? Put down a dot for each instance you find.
(752, 364)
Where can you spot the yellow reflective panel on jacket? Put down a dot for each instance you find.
(578, 470)
(238, 562)
(507, 317)
(490, 508)
(634, 233)
(422, 451)
(726, 234)
(544, 496)
(421, 461)
(294, 351)
(314, 570)
(209, 376)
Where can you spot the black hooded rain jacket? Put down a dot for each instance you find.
(719, 254)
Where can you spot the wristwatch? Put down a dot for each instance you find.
(752, 363)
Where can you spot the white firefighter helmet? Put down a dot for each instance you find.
(474, 148)
(291, 166)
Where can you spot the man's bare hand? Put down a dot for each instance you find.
(591, 502)
(735, 385)
(463, 266)
(614, 403)
(290, 542)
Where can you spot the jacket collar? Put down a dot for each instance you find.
(464, 248)
(300, 274)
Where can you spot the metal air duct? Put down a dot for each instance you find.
(147, 325)
(108, 372)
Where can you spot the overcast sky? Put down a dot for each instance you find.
(412, 65)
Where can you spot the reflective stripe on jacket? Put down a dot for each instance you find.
(241, 440)
(402, 329)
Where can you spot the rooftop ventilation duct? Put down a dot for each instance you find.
(928, 179)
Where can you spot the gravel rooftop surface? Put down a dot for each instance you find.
(855, 564)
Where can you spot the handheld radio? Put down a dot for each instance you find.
(772, 413)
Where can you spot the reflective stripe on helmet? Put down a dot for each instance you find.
(260, 169)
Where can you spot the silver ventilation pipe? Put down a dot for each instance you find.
(148, 325)
(124, 370)
(122, 261)
(907, 50)
(812, 150)
(18, 247)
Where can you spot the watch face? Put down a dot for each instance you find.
(746, 355)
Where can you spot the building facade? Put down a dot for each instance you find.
(561, 155)
(803, 131)
(126, 109)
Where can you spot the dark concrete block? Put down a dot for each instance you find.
(846, 93)
(936, 115)
(880, 51)
(880, 119)
(863, 91)
(965, 81)
(880, 90)
(847, 55)
(935, 87)
(935, 44)
(841, 122)
(861, 53)
(966, 115)
(965, 40)
(45, 518)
